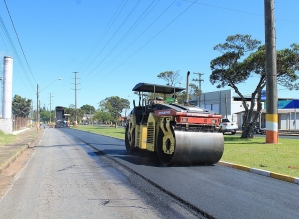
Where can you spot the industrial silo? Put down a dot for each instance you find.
(7, 87)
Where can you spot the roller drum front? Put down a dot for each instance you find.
(195, 148)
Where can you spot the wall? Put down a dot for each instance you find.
(219, 102)
(6, 126)
(288, 121)
(222, 102)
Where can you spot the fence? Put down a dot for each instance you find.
(19, 123)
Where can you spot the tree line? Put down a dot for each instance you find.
(242, 57)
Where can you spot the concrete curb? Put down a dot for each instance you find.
(261, 172)
(18, 154)
(19, 131)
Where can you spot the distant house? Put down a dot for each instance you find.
(87, 118)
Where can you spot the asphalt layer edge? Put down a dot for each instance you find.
(266, 173)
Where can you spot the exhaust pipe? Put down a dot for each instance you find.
(187, 89)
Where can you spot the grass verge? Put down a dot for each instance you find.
(281, 158)
(104, 130)
(7, 138)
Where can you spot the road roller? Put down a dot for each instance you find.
(180, 134)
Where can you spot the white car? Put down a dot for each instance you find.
(228, 126)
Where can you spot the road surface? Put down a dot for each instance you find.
(65, 178)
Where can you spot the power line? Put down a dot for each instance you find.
(149, 40)
(15, 51)
(19, 41)
(127, 33)
(239, 11)
(107, 28)
(105, 31)
(124, 21)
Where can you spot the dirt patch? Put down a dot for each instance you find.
(293, 167)
(29, 138)
(9, 173)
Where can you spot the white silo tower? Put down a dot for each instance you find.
(7, 87)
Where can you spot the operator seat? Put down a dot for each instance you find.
(154, 102)
(158, 100)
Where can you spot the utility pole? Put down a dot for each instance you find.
(225, 101)
(37, 108)
(271, 74)
(199, 86)
(50, 106)
(76, 94)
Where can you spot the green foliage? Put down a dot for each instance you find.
(242, 58)
(114, 106)
(102, 116)
(45, 116)
(172, 78)
(181, 97)
(194, 90)
(73, 112)
(21, 106)
(88, 109)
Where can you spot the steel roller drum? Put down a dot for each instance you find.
(197, 148)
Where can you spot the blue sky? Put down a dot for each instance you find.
(114, 45)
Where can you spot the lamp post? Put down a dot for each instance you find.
(37, 101)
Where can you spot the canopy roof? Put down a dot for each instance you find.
(154, 88)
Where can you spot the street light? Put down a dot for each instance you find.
(37, 102)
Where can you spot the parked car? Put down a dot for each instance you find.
(228, 126)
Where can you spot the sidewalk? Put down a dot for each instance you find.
(9, 152)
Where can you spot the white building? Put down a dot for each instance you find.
(226, 103)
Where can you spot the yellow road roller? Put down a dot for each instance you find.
(179, 134)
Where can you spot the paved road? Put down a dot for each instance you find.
(219, 191)
(65, 179)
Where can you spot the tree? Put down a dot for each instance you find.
(44, 115)
(232, 68)
(102, 116)
(194, 90)
(171, 78)
(114, 106)
(72, 112)
(21, 106)
(88, 109)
